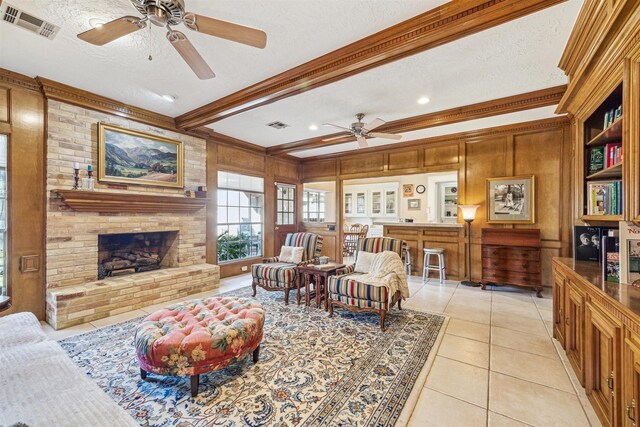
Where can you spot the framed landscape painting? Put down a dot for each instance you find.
(511, 200)
(130, 157)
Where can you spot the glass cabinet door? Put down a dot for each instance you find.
(391, 202)
(348, 203)
(361, 203)
(376, 203)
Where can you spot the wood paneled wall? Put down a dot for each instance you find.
(239, 160)
(541, 148)
(22, 119)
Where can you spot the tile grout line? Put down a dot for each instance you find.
(490, 364)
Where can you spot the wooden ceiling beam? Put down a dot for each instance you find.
(443, 24)
(510, 104)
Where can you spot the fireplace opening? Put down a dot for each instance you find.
(120, 254)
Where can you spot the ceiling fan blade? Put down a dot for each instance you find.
(190, 55)
(336, 137)
(362, 142)
(112, 30)
(336, 126)
(226, 30)
(374, 124)
(385, 135)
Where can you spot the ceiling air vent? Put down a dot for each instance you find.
(15, 16)
(278, 125)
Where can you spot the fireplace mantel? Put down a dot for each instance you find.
(103, 201)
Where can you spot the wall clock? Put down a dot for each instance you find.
(420, 189)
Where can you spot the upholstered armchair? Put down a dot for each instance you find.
(274, 275)
(346, 291)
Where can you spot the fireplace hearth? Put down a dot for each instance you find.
(121, 254)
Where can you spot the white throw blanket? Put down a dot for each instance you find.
(387, 270)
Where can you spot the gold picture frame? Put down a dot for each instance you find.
(407, 190)
(130, 157)
(511, 200)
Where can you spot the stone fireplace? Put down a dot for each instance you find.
(129, 253)
(79, 241)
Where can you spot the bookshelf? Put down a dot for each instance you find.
(603, 171)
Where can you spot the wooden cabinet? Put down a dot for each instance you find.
(574, 328)
(602, 368)
(631, 379)
(558, 306)
(511, 257)
(601, 337)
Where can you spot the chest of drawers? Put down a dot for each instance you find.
(511, 257)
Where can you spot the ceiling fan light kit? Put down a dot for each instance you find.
(362, 131)
(168, 13)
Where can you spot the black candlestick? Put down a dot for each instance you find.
(76, 178)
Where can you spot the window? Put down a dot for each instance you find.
(3, 214)
(240, 215)
(285, 204)
(313, 206)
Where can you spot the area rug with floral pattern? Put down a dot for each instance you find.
(313, 371)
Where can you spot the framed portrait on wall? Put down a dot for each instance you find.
(511, 200)
(130, 157)
(407, 190)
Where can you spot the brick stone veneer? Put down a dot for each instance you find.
(74, 305)
(73, 294)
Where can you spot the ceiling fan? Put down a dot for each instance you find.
(167, 13)
(362, 131)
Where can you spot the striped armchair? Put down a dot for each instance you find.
(347, 292)
(273, 275)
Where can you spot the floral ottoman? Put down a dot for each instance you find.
(199, 336)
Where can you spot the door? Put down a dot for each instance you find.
(391, 202)
(631, 379)
(602, 363)
(376, 203)
(348, 204)
(558, 307)
(285, 213)
(361, 203)
(574, 327)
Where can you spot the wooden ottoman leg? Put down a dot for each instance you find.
(195, 383)
(143, 374)
(256, 354)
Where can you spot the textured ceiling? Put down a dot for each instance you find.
(298, 31)
(513, 58)
(469, 125)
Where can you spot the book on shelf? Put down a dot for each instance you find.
(611, 256)
(604, 197)
(629, 253)
(611, 116)
(596, 160)
(613, 153)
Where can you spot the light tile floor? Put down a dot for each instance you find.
(497, 364)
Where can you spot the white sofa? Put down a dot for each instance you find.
(41, 386)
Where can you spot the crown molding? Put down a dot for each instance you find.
(446, 23)
(17, 79)
(466, 137)
(510, 104)
(71, 95)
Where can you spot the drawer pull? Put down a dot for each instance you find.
(629, 409)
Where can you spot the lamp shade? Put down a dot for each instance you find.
(468, 211)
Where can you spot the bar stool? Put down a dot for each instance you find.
(439, 252)
(407, 260)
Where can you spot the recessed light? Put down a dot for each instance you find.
(96, 23)
(169, 98)
(423, 100)
(313, 127)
